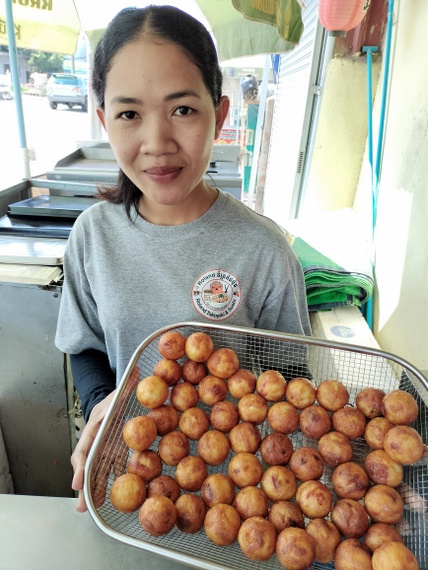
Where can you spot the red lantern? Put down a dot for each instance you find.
(340, 16)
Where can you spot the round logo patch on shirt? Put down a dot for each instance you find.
(216, 294)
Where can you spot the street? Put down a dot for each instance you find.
(52, 135)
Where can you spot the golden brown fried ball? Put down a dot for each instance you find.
(199, 346)
(276, 449)
(218, 488)
(351, 554)
(146, 464)
(224, 416)
(251, 501)
(223, 363)
(382, 469)
(314, 421)
(190, 473)
(171, 345)
(271, 385)
(164, 485)
(165, 417)
(257, 538)
(335, 448)
(300, 392)
(168, 370)
(222, 524)
(173, 447)
(193, 372)
(327, 538)
(128, 493)
(306, 463)
(279, 483)
(139, 433)
(350, 518)
(349, 421)
(369, 401)
(403, 444)
(245, 469)
(194, 423)
(375, 432)
(283, 417)
(314, 499)
(245, 437)
(253, 408)
(350, 481)
(191, 511)
(183, 396)
(212, 390)
(332, 395)
(379, 533)
(152, 391)
(283, 514)
(241, 383)
(157, 515)
(384, 504)
(400, 407)
(295, 549)
(213, 447)
(394, 556)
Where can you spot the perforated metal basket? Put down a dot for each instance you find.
(356, 367)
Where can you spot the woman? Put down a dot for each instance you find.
(163, 246)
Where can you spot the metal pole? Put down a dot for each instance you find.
(14, 66)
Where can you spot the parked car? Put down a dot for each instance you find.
(67, 89)
(5, 92)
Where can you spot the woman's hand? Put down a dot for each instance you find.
(80, 454)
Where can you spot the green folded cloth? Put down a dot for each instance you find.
(328, 284)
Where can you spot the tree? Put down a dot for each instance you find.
(43, 62)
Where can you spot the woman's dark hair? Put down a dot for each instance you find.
(163, 22)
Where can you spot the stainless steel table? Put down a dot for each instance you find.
(47, 533)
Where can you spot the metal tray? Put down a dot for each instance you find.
(258, 350)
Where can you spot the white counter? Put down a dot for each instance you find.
(47, 533)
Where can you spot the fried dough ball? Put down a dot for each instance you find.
(253, 408)
(245, 469)
(146, 464)
(257, 538)
(194, 423)
(171, 345)
(279, 483)
(350, 518)
(283, 417)
(394, 556)
(314, 499)
(199, 346)
(223, 362)
(379, 533)
(190, 473)
(332, 395)
(222, 524)
(128, 493)
(369, 401)
(193, 372)
(165, 418)
(213, 447)
(295, 549)
(350, 481)
(212, 390)
(384, 504)
(335, 448)
(191, 511)
(283, 514)
(300, 392)
(327, 538)
(241, 383)
(403, 444)
(276, 449)
(164, 485)
(271, 385)
(400, 407)
(314, 421)
(245, 437)
(251, 501)
(306, 463)
(184, 395)
(173, 447)
(152, 391)
(139, 433)
(168, 370)
(351, 554)
(349, 421)
(375, 432)
(218, 488)
(382, 469)
(224, 416)
(158, 515)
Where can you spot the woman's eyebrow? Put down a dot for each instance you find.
(170, 97)
(126, 100)
(181, 94)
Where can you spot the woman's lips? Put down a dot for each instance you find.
(163, 173)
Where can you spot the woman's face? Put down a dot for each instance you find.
(161, 123)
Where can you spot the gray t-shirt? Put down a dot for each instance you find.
(124, 280)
